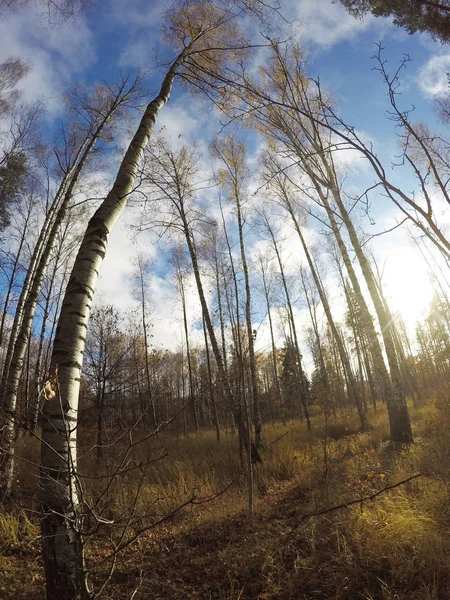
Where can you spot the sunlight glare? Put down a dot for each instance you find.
(407, 286)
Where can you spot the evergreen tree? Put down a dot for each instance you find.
(12, 180)
(413, 15)
(289, 377)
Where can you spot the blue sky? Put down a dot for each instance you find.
(117, 35)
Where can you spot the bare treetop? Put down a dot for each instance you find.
(56, 10)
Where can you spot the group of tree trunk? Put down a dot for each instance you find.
(241, 358)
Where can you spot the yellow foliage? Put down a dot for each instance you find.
(214, 33)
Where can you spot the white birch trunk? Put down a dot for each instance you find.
(28, 307)
(61, 521)
(276, 379)
(31, 272)
(299, 367)
(248, 318)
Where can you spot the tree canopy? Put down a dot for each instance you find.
(12, 175)
(412, 15)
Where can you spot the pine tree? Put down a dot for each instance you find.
(413, 15)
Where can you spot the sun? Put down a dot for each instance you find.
(407, 286)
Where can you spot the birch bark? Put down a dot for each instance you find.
(30, 293)
(232, 154)
(61, 522)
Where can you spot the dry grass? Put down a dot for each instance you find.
(394, 547)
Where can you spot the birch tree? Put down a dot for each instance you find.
(172, 175)
(245, 438)
(180, 274)
(267, 288)
(97, 114)
(298, 363)
(232, 154)
(142, 273)
(197, 30)
(105, 354)
(284, 196)
(296, 114)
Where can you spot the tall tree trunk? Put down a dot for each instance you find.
(100, 402)
(245, 433)
(12, 277)
(312, 309)
(381, 371)
(211, 387)
(32, 269)
(360, 337)
(352, 388)
(61, 522)
(399, 423)
(28, 304)
(304, 137)
(240, 418)
(40, 355)
(217, 274)
(151, 399)
(219, 306)
(26, 384)
(276, 378)
(299, 367)
(251, 345)
(233, 156)
(356, 340)
(54, 321)
(188, 353)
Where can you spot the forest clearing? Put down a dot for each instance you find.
(394, 545)
(224, 299)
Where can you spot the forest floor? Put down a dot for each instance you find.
(394, 546)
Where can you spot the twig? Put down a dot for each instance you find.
(141, 580)
(275, 440)
(324, 511)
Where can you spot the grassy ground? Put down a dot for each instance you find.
(395, 546)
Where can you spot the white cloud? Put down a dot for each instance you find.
(324, 23)
(115, 284)
(118, 266)
(139, 14)
(54, 54)
(136, 54)
(175, 121)
(432, 76)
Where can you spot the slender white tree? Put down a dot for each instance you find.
(203, 33)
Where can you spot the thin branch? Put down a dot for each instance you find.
(325, 511)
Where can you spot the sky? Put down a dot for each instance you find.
(120, 37)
